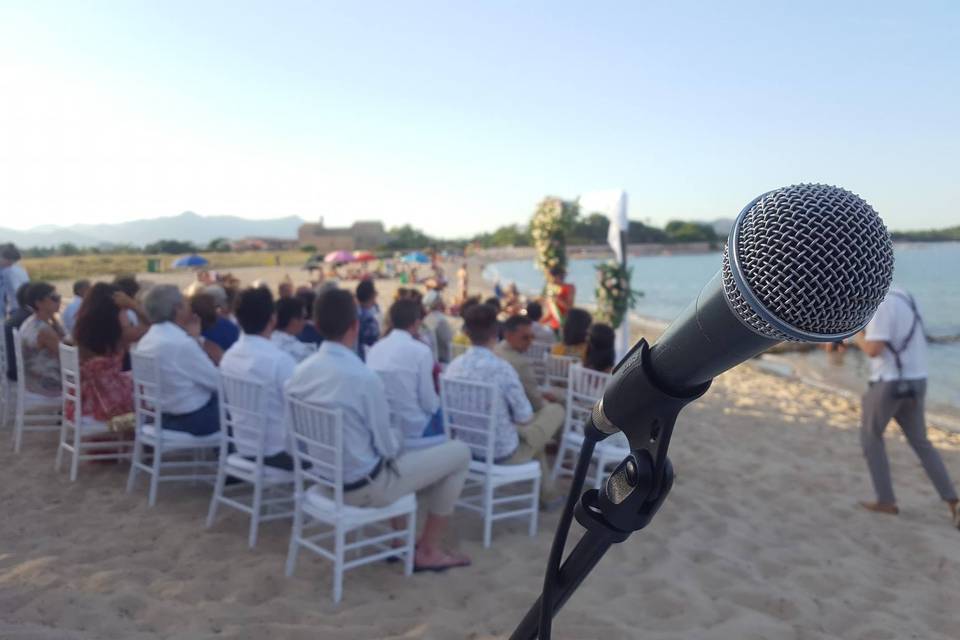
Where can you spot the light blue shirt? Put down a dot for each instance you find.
(336, 378)
(11, 279)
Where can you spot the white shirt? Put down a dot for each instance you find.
(336, 378)
(256, 358)
(187, 376)
(483, 365)
(69, 315)
(14, 277)
(891, 323)
(406, 366)
(289, 344)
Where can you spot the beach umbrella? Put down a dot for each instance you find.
(190, 261)
(363, 256)
(336, 257)
(416, 256)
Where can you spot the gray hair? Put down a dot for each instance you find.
(161, 303)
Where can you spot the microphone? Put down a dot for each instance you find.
(804, 263)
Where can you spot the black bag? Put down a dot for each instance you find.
(903, 390)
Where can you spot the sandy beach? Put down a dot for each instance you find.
(761, 538)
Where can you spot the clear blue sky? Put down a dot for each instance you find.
(459, 116)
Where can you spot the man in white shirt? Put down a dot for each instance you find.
(406, 367)
(12, 277)
(290, 322)
(255, 357)
(521, 434)
(188, 378)
(376, 474)
(69, 315)
(895, 342)
(437, 322)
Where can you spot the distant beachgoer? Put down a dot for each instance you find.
(600, 354)
(289, 324)
(559, 300)
(68, 317)
(541, 332)
(895, 342)
(12, 277)
(574, 334)
(463, 279)
(367, 315)
(40, 337)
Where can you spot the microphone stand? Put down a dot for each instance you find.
(632, 494)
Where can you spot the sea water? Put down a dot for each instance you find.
(929, 271)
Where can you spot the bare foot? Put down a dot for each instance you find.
(880, 507)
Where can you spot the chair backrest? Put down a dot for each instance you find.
(243, 419)
(70, 382)
(317, 435)
(146, 389)
(558, 369)
(18, 357)
(469, 410)
(537, 355)
(585, 388)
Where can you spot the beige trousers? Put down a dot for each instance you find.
(436, 474)
(534, 437)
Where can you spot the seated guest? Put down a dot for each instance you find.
(69, 315)
(367, 314)
(204, 307)
(40, 337)
(517, 338)
(290, 321)
(309, 332)
(128, 285)
(461, 337)
(256, 356)
(376, 474)
(406, 366)
(188, 379)
(541, 332)
(601, 350)
(574, 334)
(214, 325)
(103, 334)
(15, 321)
(12, 277)
(521, 434)
(437, 321)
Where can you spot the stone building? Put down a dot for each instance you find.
(366, 235)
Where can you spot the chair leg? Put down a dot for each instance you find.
(134, 461)
(18, 430)
(338, 553)
(63, 438)
(411, 543)
(217, 493)
(488, 492)
(294, 537)
(255, 516)
(155, 473)
(558, 462)
(534, 507)
(75, 458)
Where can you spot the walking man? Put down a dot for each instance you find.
(895, 342)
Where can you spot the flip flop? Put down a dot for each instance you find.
(440, 568)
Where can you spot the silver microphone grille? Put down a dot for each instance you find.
(808, 262)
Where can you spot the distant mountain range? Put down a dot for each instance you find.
(187, 226)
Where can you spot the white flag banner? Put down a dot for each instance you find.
(613, 204)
